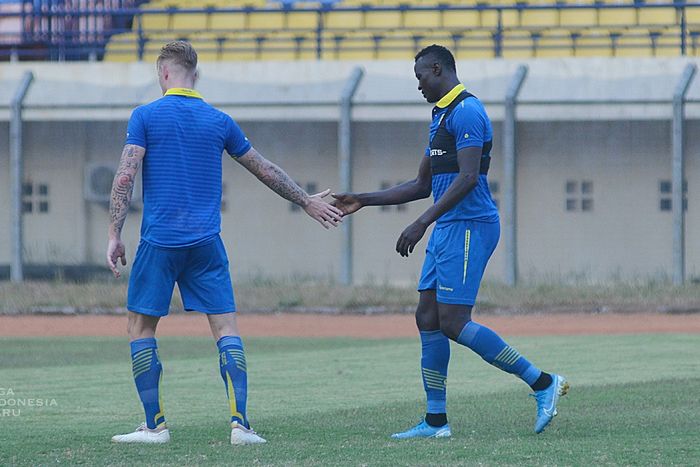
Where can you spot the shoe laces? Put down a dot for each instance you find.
(541, 398)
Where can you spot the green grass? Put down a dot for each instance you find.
(634, 401)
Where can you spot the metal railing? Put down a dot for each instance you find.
(58, 33)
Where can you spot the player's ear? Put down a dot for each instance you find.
(437, 69)
(196, 75)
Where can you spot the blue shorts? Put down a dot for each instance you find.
(456, 258)
(201, 273)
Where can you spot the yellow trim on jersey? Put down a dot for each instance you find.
(450, 96)
(467, 238)
(183, 92)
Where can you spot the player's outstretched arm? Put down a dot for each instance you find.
(418, 188)
(279, 182)
(122, 189)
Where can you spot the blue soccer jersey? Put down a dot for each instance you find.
(184, 138)
(470, 126)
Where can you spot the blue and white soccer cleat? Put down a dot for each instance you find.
(547, 400)
(423, 430)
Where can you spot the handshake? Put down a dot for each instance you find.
(331, 214)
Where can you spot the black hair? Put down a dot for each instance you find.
(441, 54)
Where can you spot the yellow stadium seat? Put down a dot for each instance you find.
(396, 47)
(692, 15)
(357, 47)
(266, 21)
(228, 21)
(122, 48)
(667, 43)
(593, 45)
(190, 21)
(384, 20)
(635, 44)
(658, 17)
(461, 19)
(539, 18)
(554, 43)
(517, 44)
(155, 22)
(302, 20)
(508, 18)
(578, 17)
(422, 19)
(207, 50)
(344, 20)
(474, 45)
(621, 17)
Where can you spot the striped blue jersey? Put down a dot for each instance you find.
(184, 138)
(469, 124)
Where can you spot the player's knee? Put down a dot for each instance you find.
(427, 320)
(453, 318)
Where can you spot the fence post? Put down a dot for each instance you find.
(17, 177)
(345, 168)
(510, 176)
(678, 173)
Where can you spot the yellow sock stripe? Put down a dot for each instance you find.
(433, 379)
(141, 353)
(508, 356)
(501, 353)
(467, 238)
(142, 358)
(161, 413)
(232, 398)
(239, 358)
(433, 372)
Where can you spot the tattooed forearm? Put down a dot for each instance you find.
(123, 187)
(275, 178)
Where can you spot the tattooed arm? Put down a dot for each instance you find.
(278, 181)
(122, 189)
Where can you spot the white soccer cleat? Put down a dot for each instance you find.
(144, 435)
(243, 435)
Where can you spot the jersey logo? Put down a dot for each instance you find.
(466, 135)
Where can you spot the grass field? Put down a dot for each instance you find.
(634, 401)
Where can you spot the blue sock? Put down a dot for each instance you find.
(233, 371)
(435, 357)
(147, 372)
(495, 351)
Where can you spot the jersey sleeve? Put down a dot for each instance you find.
(236, 143)
(136, 129)
(468, 126)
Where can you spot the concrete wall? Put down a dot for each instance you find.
(625, 235)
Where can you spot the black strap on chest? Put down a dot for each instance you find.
(485, 149)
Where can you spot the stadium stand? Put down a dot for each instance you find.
(396, 29)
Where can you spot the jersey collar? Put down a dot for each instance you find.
(183, 92)
(450, 96)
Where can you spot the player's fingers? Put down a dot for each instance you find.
(323, 193)
(322, 222)
(123, 259)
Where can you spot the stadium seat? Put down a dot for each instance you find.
(302, 20)
(122, 48)
(618, 17)
(461, 20)
(667, 43)
(633, 44)
(228, 21)
(190, 21)
(207, 49)
(554, 43)
(155, 21)
(658, 16)
(397, 46)
(578, 17)
(508, 18)
(517, 44)
(592, 44)
(384, 20)
(352, 20)
(264, 21)
(692, 16)
(422, 19)
(530, 18)
(474, 45)
(359, 46)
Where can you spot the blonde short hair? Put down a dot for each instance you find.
(181, 53)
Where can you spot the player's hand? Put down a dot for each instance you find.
(115, 250)
(410, 237)
(326, 214)
(346, 202)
